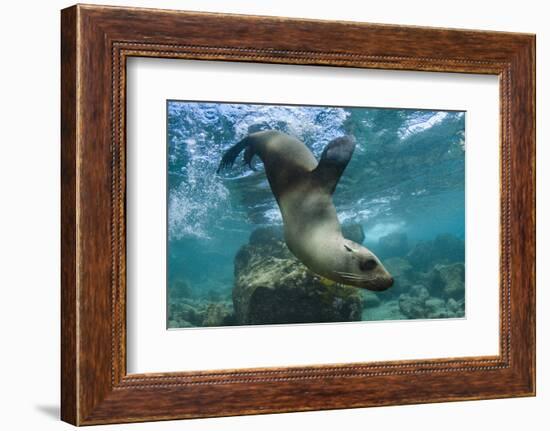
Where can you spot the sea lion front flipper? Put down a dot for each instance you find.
(334, 159)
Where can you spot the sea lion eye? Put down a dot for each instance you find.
(367, 264)
(347, 247)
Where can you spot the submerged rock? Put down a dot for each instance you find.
(422, 255)
(452, 305)
(403, 276)
(445, 248)
(183, 313)
(413, 304)
(419, 292)
(418, 304)
(449, 247)
(393, 244)
(460, 307)
(435, 308)
(180, 288)
(370, 299)
(387, 310)
(218, 314)
(174, 324)
(272, 286)
(411, 307)
(448, 280)
(397, 266)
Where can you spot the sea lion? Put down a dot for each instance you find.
(303, 190)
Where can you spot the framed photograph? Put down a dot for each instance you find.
(264, 214)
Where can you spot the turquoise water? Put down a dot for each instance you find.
(403, 188)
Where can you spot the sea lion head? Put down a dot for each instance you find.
(361, 268)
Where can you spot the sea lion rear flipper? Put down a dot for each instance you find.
(334, 159)
(249, 153)
(231, 154)
(250, 144)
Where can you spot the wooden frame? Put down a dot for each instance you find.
(96, 41)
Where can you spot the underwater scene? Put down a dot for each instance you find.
(282, 214)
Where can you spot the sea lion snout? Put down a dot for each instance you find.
(385, 280)
(378, 283)
(381, 283)
(386, 283)
(362, 268)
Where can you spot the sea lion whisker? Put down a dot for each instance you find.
(351, 277)
(349, 274)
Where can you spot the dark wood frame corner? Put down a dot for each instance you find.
(95, 43)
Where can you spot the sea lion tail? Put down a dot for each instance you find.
(231, 154)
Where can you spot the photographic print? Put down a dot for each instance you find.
(287, 214)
